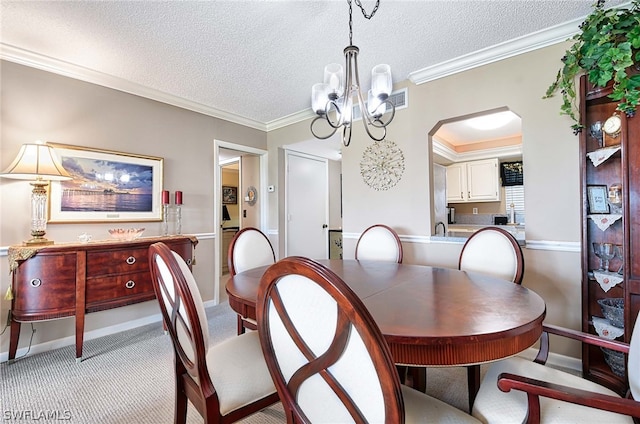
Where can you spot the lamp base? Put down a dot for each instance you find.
(37, 241)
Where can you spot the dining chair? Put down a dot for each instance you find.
(555, 396)
(225, 382)
(250, 248)
(379, 242)
(327, 356)
(493, 251)
(496, 252)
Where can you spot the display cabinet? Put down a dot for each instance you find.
(610, 179)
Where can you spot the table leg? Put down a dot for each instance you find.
(473, 381)
(13, 341)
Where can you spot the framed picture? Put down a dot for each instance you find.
(229, 195)
(106, 186)
(597, 195)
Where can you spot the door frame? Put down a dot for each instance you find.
(217, 210)
(287, 196)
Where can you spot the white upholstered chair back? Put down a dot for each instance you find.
(318, 340)
(250, 248)
(493, 251)
(379, 243)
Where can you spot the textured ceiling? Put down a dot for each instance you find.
(259, 59)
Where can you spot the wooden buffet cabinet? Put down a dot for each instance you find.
(614, 166)
(74, 279)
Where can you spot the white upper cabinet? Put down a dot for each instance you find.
(476, 181)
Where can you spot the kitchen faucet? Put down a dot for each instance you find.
(444, 229)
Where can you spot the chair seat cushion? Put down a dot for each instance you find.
(239, 372)
(494, 406)
(420, 408)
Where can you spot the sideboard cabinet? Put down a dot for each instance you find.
(610, 179)
(74, 279)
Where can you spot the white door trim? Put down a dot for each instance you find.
(262, 193)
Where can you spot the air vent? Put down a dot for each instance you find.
(397, 98)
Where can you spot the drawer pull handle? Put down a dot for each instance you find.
(36, 282)
(130, 284)
(189, 261)
(131, 260)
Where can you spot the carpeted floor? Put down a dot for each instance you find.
(128, 378)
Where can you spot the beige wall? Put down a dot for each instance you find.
(37, 104)
(40, 105)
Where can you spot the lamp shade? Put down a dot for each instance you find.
(36, 161)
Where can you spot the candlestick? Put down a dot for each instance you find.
(178, 197)
(165, 218)
(165, 197)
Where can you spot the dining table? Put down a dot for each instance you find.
(430, 316)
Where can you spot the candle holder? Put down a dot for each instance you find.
(165, 219)
(178, 210)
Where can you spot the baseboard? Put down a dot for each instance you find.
(90, 335)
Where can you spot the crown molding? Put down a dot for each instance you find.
(60, 67)
(517, 46)
(496, 152)
(495, 53)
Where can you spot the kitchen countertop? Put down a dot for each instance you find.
(459, 233)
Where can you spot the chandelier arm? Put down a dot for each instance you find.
(340, 115)
(317, 118)
(384, 131)
(378, 122)
(346, 135)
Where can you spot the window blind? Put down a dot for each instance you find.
(515, 195)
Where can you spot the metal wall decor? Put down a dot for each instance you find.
(382, 165)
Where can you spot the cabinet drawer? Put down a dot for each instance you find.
(120, 261)
(45, 284)
(116, 287)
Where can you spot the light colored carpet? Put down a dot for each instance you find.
(128, 378)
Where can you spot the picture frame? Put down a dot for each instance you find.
(597, 196)
(107, 186)
(229, 195)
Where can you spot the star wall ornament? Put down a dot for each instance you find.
(382, 165)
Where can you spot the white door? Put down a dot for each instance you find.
(307, 209)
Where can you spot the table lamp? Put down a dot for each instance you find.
(38, 162)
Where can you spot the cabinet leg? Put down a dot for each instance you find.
(79, 336)
(13, 341)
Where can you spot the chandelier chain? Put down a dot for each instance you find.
(364, 13)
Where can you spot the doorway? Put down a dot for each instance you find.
(244, 210)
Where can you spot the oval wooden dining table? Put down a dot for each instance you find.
(429, 316)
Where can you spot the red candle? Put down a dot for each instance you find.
(178, 197)
(165, 197)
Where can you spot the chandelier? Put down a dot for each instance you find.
(332, 100)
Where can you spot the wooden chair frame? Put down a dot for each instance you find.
(351, 311)
(536, 388)
(392, 231)
(202, 393)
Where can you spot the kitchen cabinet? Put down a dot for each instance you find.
(73, 279)
(475, 181)
(610, 180)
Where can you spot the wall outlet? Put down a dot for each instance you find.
(475, 211)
